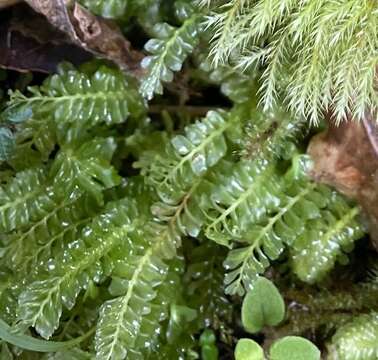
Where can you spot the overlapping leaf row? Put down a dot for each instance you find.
(66, 107)
(169, 48)
(55, 243)
(63, 238)
(255, 207)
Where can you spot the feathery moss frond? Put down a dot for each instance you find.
(223, 24)
(297, 57)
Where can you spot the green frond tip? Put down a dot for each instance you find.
(185, 158)
(137, 287)
(356, 340)
(104, 96)
(327, 239)
(41, 303)
(169, 50)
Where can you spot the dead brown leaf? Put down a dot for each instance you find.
(6, 3)
(94, 34)
(35, 45)
(345, 158)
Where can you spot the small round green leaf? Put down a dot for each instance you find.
(294, 348)
(263, 305)
(247, 349)
(209, 350)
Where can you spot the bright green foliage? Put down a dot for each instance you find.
(205, 290)
(295, 204)
(134, 282)
(325, 241)
(281, 217)
(294, 348)
(209, 350)
(60, 224)
(233, 201)
(177, 174)
(104, 96)
(23, 199)
(169, 50)
(297, 57)
(262, 306)
(85, 167)
(247, 349)
(124, 231)
(40, 304)
(357, 340)
(187, 157)
(198, 191)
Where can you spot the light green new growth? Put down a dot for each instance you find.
(169, 50)
(319, 54)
